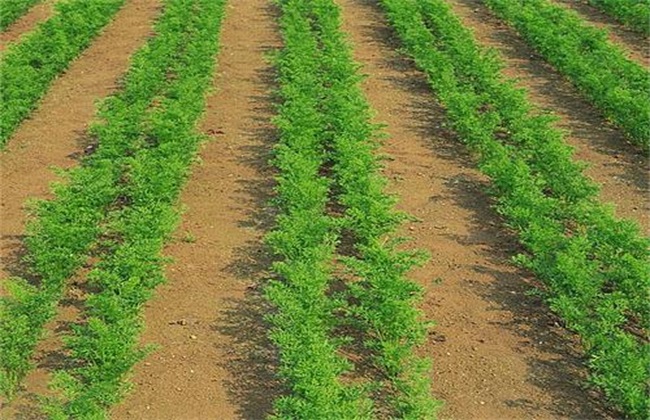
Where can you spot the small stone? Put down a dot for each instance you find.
(193, 337)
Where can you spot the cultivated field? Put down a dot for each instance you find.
(324, 209)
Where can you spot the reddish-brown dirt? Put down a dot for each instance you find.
(214, 361)
(27, 22)
(635, 45)
(497, 352)
(618, 167)
(54, 136)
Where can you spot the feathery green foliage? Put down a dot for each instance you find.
(616, 85)
(304, 240)
(28, 68)
(89, 210)
(596, 267)
(105, 347)
(11, 10)
(632, 13)
(324, 121)
(386, 308)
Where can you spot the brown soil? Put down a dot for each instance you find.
(26, 23)
(54, 136)
(617, 166)
(497, 352)
(635, 45)
(214, 361)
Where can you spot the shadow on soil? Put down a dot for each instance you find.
(252, 360)
(561, 373)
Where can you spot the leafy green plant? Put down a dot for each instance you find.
(304, 241)
(385, 300)
(632, 13)
(105, 346)
(28, 68)
(81, 219)
(11, 10)
(595, 266)
(327, 155)
(619, 88)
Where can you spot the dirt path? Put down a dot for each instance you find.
(54, 134)
(213, 361)
(497, 353)
(636, 45)
(37, 14)
(618, 167)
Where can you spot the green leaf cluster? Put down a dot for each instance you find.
(28, 68)
(304, 241)
(118, 205)
(616, 85)
(11, 10)
(595, 266)
(632, 13)
(327, 157)
(385, 299)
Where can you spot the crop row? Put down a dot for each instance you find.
(11, 10)
(28, 68)
(595, 266)
(385, 300)
(304, 241)
(119, 205)
(615, 84)
(325, 129)
(633, 13)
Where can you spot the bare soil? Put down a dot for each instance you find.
(214, 361)
(26, 23)
(617, 166)
(497, 353)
